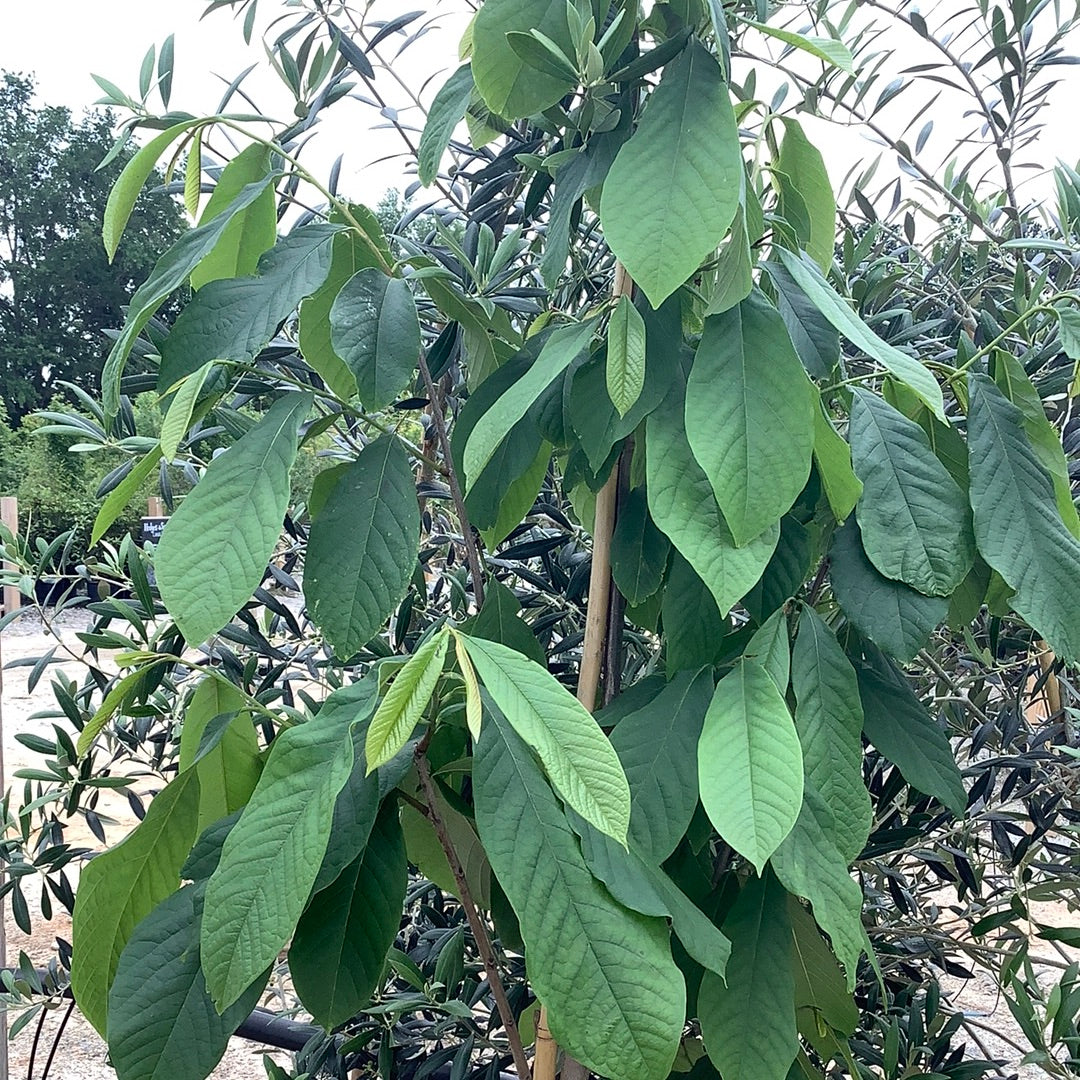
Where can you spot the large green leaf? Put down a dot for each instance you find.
(401, 709)
(770, 646)
(271, 858)
(815, 339)
(829, 719)
(375, 330)
(446, 112)
(905, 368)
(338, 951)
(750, 767)
(234, 318)
(893, 616)
(896, 722)
(656, 745)
(559, 351)
(912, 515)
(162, 1024)
(683, 505)
(809, 864)
(749, 1025)
(214, 549)
(832, 455)
(122, 886)
(787, 570)
(168, 275)
(229, 772)
(639, 550)
(694, 629)
(802, 162)
(625, 355)
(248, 233)
(517, 499)
(500, 620)
(509, 86)
(615, 999)
(576, 755)
(1018, 529)
(750, 416)
(362, 548)
(673, 190)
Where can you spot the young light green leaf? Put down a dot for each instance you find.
(625, 355)
(162, 1022)
(400, 711)
(362, 546)
(905, 368)
(576, 755)
(801, 160)
(619, 1003)
(123, 493)
(750, 767)
(1018, 529)
(540, 52)
(912, 515)
(446, 112)
(827, 49)
(559, 351)
(473, 707)
(338, 952)
(832, 454)
(122, 886)
(214, 549)
(749, 1025)
(272, 855)
(673, 190)
(749, 416)
(375, 330)
(174, 426)
(683, 505)
(193, 174)
(130, 182)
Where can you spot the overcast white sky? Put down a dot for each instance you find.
(109, 38)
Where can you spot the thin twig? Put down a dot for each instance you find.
(476, 924)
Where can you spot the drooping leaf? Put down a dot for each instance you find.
(214, 550)
(1018, 529)
(639, 550)
(749, 416)
(229, 772)
(829, 719)
(122, 886)
(828, 49)
(786, 572)
(271, 857)
(802, 161)
(912, 515)
(615, 999)
(770, 647)
(375, 330)
(500, 620)
(338, 951)
(400, 710)
(123, 493)
(577, 757)
(693, 626)
(509, 86)
(896, 722)
(832, 455)
(446, 112)
(749, 1025)
(815, 339)
(750, 767)
(905, 368)
(362, 547)
(673, 190)
(427, 854)
(734, 269)
(174, 426)
(897, 618)
(517, 499)
(162, 1024)
(235, 318)
(625, 355)
(683, 505)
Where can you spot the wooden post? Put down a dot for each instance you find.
(9, 515)
(155, 506)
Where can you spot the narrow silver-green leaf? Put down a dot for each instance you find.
(750, 767)
(912, 515)
(446, 112)
(1018, 529)
(577, 757)
(614, 997)
(749, 416)
(673, 190)
(362, 547)
(400, 710)
(844, 318)
(214, 549)
(625, 355)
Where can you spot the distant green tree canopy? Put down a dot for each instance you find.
(58, 291)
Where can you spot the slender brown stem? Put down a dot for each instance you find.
(476, 924)
(472, 551)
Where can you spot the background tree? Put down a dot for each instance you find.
(58, 291)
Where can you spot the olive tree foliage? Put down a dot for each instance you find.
(621, 380)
